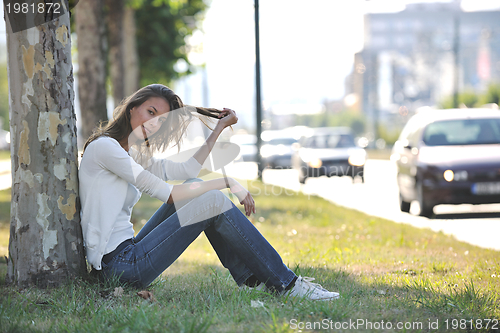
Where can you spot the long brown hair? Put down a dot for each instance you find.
(171, 131)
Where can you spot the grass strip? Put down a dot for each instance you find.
(392, 278)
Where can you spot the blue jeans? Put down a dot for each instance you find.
(241, 248)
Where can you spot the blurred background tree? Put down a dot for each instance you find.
(4, 97)
(388, 134)
(349, 118)
(492, 95)
(129, 44)
(346, 118)
(473, 100)
(468, 98)
(114, 17)
(162, 28)
(90, 29)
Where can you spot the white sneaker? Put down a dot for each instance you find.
(260, 287)
(305, 288)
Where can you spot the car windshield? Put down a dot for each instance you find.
(462, 132)
(330, 141)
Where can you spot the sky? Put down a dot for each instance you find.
(307, 50)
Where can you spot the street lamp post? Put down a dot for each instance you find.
(456, 63)
(258, 101)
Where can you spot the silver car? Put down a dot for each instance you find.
(329, 151)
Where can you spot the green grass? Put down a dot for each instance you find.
(4, 155)
(384, 271)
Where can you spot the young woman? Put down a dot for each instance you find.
(117, 165)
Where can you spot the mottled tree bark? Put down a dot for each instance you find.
(114, 20)
(91, 65)
(45, 245)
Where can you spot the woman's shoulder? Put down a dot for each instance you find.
(104, 148)
(104, 142)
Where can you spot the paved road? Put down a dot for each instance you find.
(378, 196)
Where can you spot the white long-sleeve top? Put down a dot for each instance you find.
(111, 183)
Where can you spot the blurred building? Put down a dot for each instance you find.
(408, 59)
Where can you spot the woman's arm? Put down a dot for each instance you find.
(192, 190)
(167, 169)
(228, 118)
(106, 153)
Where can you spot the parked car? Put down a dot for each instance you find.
(248, 147)
(329, 151)
(449, 157)
(4, 140)
(277, 152)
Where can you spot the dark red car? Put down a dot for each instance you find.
(449, 157)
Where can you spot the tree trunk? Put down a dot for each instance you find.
(45, 246)
(91, 65)
(115, 12)
(130, 55)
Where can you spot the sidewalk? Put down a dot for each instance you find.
(5, 176)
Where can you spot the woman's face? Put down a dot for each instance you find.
(147, 118)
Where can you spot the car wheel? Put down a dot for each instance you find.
(425, 207)
(404, 206)
(302, 176)
(361, 179)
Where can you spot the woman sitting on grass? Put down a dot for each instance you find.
(117, 165)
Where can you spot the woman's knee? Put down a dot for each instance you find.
(216, 196)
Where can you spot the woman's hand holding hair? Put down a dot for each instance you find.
(243, 196)
(227, 118)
